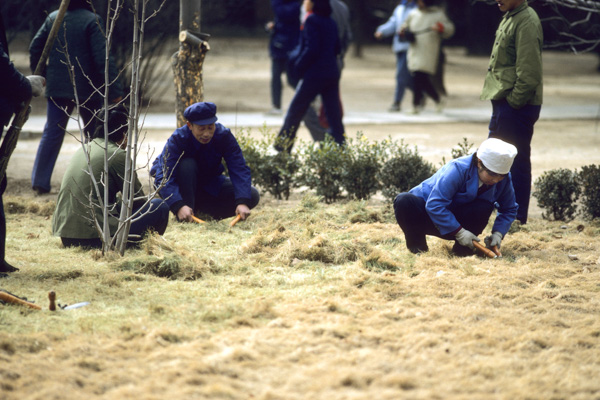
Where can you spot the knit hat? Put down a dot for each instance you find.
(497, 155)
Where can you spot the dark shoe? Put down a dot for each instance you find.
(40, 191)
(416, 250)
(394, 107)
(461, 251)
(6, 267)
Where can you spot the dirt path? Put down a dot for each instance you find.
(237, 74)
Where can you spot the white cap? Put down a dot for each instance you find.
(497, 155)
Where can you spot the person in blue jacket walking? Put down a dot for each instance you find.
(316, 68)
(285, 32)
(457, 201)
(399, 47)
(189, 171)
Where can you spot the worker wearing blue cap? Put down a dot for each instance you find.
(189, 171)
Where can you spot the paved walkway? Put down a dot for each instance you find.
(35, 124)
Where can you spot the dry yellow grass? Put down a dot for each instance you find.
(303, 301)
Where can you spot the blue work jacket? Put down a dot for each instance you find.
(209, 157)
(457, 183)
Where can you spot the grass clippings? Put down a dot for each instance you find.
(304, 301)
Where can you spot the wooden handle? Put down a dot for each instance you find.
(52, 298)
(496, 251)
(197, 220)
(484, 250)
(15, 300)
(236, 220)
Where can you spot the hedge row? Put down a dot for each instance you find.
(557, 192)
(358, 170)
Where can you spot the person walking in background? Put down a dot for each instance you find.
(285, 32)
(81, 39)
(318, 73)
(14, 89)
(340, 13)
(425, 28)
(514, 85)
(457, 201)
(189, 171)
(400, 48)
(72, 220)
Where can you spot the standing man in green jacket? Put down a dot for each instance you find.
(514, 85)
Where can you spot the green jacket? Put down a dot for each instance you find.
(72, 216)
(515, 68)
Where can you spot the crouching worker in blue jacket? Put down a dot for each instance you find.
(457, 201)
(189, 171)
(72, 220)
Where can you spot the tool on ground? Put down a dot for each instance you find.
(198, 220)
(12, 299)
(12, 135)
(484, 249)
(52, 298)
(236, 220)
(496, 251)
(76, 305)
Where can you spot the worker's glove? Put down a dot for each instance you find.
(465, 238)
(493, 240)
(37, 84)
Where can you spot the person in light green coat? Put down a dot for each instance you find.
(73, 220)
(515, 87)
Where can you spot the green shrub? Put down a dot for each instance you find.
(557, 192)
(273, 172)
(589, 179)
(323, 167)
(403, 169)
(362, 162)
(463, 149)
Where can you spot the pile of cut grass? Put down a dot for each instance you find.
(303, 300)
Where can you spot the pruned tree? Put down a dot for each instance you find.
(187, 63)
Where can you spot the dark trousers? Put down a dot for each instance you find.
(306, 91)
(516, 127)
(155, 219)
(57, 118)
(2, 220)
(278, 67)
(422, 84)
(221, 206)
(416, 224)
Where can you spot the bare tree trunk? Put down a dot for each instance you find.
(187, 62)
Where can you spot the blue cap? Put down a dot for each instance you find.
(203, 113)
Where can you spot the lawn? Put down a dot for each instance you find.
(303, 301)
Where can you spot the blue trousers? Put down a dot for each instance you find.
(516, 127)
(58, 114)
(194, 195)
(306, 91)
(278, 67)
(155, 219)
(403, 77)
(414, 221)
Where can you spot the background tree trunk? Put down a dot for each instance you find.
(188, 61)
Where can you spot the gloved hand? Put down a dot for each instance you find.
(37, 84)
(493, 240)
(465, 238)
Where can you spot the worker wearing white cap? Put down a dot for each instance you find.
(457, 201)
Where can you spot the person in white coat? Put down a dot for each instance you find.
(425, 28)
(399, 47)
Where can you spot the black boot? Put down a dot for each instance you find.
(6, 267)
